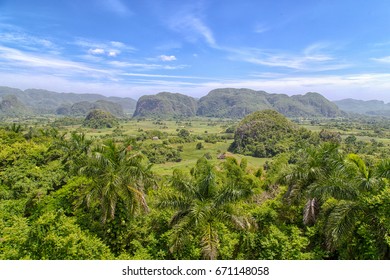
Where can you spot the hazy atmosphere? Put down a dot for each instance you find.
(131, 48)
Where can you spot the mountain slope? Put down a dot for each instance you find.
(11, 106)
(166, 104)
(48, 102)
(264, 133)
(371, 107)
(84, 107)
(237, 103)
(232, 103)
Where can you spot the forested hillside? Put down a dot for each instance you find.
(166, 105)
(235, 103)
(266, 134)
(371, 107)
(38, 102)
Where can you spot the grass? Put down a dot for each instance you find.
(190, 155)
(202, 127)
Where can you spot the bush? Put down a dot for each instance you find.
(199, 146)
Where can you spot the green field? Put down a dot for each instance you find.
(203, 127)
(189, 154)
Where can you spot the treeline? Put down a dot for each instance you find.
(65, 196)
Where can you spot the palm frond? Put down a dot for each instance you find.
(138, 198)
(335, 185)
(174, 201)
(383, 169)
(179, 215)
(340, 222)
(210, 242)
(182, 184)
(358, 162)
(180, 234)
(310, 211)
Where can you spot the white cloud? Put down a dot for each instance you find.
(23, 61)
(167, 57)
(144, 66)
(118, 45)
(26, 40)
(165, 76)
(96, 51)
(385, 59)
(334, 87)
(113, 53)
(192, 27)
(202, 29)
(313, 58)
(111, 49)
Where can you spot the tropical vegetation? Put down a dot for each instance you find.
(170, 189)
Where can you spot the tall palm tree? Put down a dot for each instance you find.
(74, 150)
(202, 202)
(118, 177)
(316, 165)
(324, 175)
(348, 213)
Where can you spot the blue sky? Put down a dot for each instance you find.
(339, 48)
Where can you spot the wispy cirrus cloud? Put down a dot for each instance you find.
(166, 76)
(314, 57)
(144, 66)
(116, 6)
(192, 27)
(23, 60)
(26, 41)
(385, 59)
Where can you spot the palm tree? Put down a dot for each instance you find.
(74, 150)
(118, 177)
(347, 214)
(348, 185)
(305, 181)
(202, 202)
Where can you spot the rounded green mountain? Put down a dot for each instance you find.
(264, 134)
(100, 119)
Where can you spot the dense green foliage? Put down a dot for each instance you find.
(323, 194)
(237, 103)
(11, 106)
(234, 103)
(39, 101)
(166, 105)
(370, 107)
(100, 119)
(265, 134)
(84, 107)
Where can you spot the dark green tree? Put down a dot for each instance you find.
(117, 176)
(203, 205)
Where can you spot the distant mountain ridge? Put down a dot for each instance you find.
(235, 103)
(39, 101)
(221, 103)
(370, 107)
